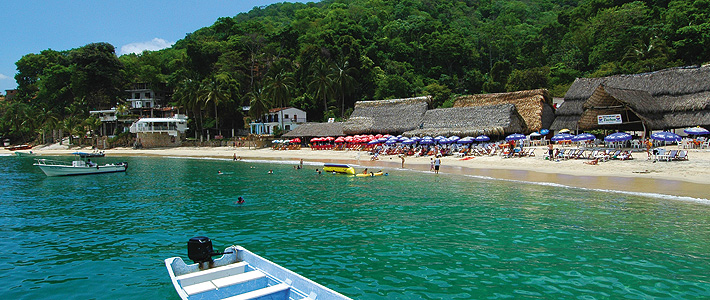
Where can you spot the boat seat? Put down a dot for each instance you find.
(219, 283)
(211, 274)
(281, 287)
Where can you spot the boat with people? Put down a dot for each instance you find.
(77, 167)
(238, 274)
(339, 168)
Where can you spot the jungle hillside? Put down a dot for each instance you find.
(323, 57)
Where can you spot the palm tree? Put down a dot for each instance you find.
(278, 88)
(217, 91)
(343, 83)
(258, 105)
(186, 95)
(321, 83)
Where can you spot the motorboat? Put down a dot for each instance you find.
(238, 274)
(77, 167)
(23, 153)
(19, 147)
(339, 168)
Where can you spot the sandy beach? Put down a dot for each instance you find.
(689, 178)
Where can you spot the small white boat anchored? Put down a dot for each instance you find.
(239, 275)
(77, 167)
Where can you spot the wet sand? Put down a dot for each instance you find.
(676, 178)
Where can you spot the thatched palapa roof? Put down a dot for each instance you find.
(316, 130)
(659, 97)
(534, 106)
(386, 116)
(470, 121)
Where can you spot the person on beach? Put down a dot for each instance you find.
(234, 157)
(301, 164)
(437, 164)
(402, 157)
(592, 162)
(550, 151)
(431, 164)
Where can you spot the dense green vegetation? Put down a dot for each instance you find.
(322, 57)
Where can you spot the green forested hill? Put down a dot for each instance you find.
(322, 57)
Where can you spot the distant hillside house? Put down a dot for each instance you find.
(149, 101)
(394, 116)
(665, 99)
(292, 118)
(10, 94)
(160, 132)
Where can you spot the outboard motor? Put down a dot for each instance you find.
(199, 249)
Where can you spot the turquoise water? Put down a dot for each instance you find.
(410, 235)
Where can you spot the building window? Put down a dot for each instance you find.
(137, 95)
(147, 95)
(276, 118)
(285, 117)
(147, 104)
(287, 127)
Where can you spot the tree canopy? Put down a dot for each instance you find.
(323, 57)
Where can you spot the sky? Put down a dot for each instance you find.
(129, 25)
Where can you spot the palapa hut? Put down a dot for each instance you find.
(665, 99)
(534, 106)
(386, 116)
(309, 130)
(498, 120)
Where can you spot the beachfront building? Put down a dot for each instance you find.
(660, 100)
(534, 106)
(292, 118)
(393, 117)
(494, 120)
(310, 130)
(159, 132)
(148, 100)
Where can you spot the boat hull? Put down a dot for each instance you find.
(339, 168)
(59, 170)
(241, 272)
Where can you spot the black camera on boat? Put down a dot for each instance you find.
(199, 249)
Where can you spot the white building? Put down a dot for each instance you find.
(159, 132)
(292, 117)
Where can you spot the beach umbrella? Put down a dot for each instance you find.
(696, 131)
(382, 139)
(373, 142)
(466, 140)
(427, 138)
(583, 137)
(408, 142)
(391, 142)
(617, 137)
(454, 138)
(482, 138)
(544, 131)
(445, 141)
(426, 141)
(415, 138)
(665, 136)
(564, 130)
(515, 137)
(535, 134)
(562, 137)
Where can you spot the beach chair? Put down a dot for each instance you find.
(602, 155)
(562, 154)
(671, 155)
(530, 152)
(615, 155)
(682, 155)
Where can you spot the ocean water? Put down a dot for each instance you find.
(409, 235)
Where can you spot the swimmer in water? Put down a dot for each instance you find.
(240, 200)
(219, 173)
(271, 171)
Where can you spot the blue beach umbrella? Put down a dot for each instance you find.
(466, 140)
(427, 138)
(515, 137)
(445, 141)
(373, 142)
(391, 142)
(583, 137)
(544, 131)
(454, 138)
(426, 141)
(617, 137)
(415, 138)
(696, 131)
(408, 142)
(665, 136)
(562, 137)
(482, 138)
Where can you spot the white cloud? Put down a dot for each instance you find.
(3, 76)
(152, 45)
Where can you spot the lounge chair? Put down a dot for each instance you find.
(530, 152)
(682, 155)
